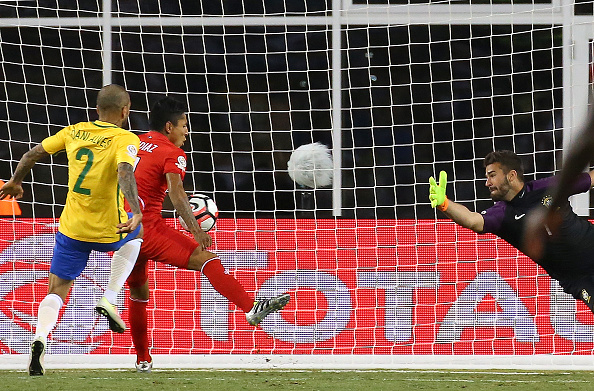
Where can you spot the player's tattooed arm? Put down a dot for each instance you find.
(127, 184)
(13, 186)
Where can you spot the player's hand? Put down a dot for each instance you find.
(541, 225)
(203, 239)
(130, 225)
(437, 193)
(11, 189)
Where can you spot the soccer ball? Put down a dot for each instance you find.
(311, 165)
(205, 210)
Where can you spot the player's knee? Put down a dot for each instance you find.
(199, 257)
(195, 262)
(59, 286)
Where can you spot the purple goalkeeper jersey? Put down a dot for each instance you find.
(569, 254)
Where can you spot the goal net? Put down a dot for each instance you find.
(397, 90)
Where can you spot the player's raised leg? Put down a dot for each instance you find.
(122, 263)
(220, 279)
(228, 286)
(126, 249)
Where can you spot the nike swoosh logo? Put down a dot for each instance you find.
(518, 217)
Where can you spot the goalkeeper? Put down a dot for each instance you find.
(567, 256)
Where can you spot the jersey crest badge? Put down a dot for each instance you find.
(586, 296)
(131, 150)
(547, 200)
(181, 163)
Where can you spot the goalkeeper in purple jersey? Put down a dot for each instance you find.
(568, 256)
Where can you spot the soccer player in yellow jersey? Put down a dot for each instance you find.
(101, 157)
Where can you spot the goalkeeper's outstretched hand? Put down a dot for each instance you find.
(437, 192)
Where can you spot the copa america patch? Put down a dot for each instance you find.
(181, 163)
(547, 200)
(586, 296)
(131, 150)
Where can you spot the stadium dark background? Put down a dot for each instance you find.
(416, 99)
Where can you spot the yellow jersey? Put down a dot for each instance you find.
(94, 204)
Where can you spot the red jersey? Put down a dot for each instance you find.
(157, 156)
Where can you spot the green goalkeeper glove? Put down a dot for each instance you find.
(437, 193)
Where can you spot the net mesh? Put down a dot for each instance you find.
(377, 274)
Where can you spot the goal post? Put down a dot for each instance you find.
(397, 91)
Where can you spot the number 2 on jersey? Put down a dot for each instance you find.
(81, 177)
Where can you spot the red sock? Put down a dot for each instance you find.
(226, 284)
(138, 328)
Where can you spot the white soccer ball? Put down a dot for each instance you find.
(205, 210)
(311, 165)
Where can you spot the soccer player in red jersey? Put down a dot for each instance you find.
(160, 167)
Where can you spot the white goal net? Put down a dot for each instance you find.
(397, 90)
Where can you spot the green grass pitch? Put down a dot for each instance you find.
(339, 380)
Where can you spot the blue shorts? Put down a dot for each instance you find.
(70, 255)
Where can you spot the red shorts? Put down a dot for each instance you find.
(161, 243)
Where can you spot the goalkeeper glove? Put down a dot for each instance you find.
(437, 193)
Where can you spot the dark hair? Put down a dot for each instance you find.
(112, 97)
(166, 110)
(509, 160)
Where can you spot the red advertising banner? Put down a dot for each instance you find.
(357, 287)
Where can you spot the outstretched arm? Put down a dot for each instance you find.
(457, 212)
(180, 202)
(464, 217)
(14, 186)
(127, 184)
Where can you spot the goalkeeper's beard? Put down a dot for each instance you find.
(501, 191)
